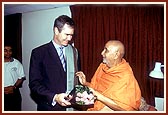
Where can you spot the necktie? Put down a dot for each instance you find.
(61, 55)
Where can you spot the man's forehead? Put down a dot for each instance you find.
(67, 26)
(110, 46)
(7, 47)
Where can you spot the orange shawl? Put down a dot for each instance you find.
(117, 83)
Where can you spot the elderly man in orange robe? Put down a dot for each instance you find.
(113, 83)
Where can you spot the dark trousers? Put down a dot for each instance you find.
(47, 107)
(12, 102)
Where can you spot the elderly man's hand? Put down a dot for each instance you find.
(82, 77)
(96, 94)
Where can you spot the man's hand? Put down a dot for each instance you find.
(96, 93)
(107, 101)
(82, 77)
(63, 99)
(9, 89)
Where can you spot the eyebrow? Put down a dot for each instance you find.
(7, 49)
(106, 49)
(69, 34)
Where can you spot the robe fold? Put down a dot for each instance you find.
(117, 83)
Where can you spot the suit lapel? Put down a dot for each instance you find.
(54, 55)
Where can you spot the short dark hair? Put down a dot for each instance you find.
(62, 20)
(8, 43)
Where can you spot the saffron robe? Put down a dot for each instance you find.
(117, 83)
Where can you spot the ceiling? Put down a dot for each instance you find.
(12, 8)
(23, 8)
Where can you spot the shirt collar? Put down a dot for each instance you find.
(56, 45)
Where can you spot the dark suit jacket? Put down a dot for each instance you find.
(46, 77)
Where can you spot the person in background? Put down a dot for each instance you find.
(13, 79)
(52, 68)
(113, 83)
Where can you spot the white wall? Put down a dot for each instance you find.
(37, 29)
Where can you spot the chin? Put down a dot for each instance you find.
(65, 43)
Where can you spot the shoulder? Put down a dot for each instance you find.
(43, 47)
(16, 62)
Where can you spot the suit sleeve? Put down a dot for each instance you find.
(38, 90)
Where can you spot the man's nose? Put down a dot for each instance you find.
(102, 53)
(69, 37)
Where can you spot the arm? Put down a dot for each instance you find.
(19, 76)
(36, 84)
(82, 78)
(10, 89)
(107, 101)
(37, 81)
(19, 82)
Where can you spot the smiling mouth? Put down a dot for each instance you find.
(66, 42)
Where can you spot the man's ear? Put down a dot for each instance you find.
(117, 55)
(56, 31)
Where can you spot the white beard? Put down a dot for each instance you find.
(104, 61)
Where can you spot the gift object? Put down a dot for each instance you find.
(81, 95)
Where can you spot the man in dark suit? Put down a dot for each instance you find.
(48, 79)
